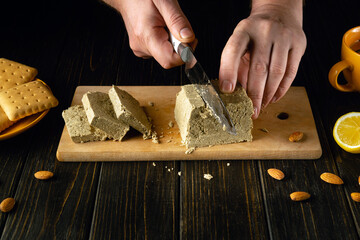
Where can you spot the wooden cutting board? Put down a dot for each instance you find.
(273, 144)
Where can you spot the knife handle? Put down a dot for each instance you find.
(181, 48)
(175, 43)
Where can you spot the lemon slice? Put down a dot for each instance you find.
(347, 132)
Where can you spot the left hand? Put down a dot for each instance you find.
(264, 52)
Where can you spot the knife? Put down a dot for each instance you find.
(203, 85)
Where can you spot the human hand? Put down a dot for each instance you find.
(264, 52)
(146, 22)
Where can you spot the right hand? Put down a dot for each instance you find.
(146, 22)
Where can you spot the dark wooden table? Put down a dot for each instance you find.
(75, 43)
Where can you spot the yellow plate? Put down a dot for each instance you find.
(22, 125)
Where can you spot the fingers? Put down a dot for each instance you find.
(155, 43)
(277, 68)
(258, 72)
(292, 66)
(158, 45)
(175, 20)
(244, 70)
(231, 57)
(194, 44)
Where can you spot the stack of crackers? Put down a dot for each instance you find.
(21, 94)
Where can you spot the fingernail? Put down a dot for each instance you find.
(186, 33)
(226, 87)
(274, 99)
(255, 115)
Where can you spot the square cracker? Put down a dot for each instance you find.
(27, 99)
(13, 74)
(4, 120)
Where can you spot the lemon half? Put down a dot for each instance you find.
(347, 132)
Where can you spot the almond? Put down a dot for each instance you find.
(331, 178)
(355, 196)
(296, 136)
(43, 175)
(276, 173)
(299, 196)
(7, 204)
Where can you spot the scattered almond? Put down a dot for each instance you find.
(355, 196)
(264, 130)
(190, 150)
(331, 178)
(7, 204)
(296, 136)
(299, 196)
(276, 173)
(43, 175)
(208, 176)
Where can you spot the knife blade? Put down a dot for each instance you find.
(203, 85)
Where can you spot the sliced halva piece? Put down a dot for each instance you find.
(78, 126)
(100, 113)
(199, 128)
(128, 109)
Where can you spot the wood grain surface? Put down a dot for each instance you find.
(273, 144)
(83, 43)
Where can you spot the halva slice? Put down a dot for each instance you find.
(199, 128)
(79, 128)
(128, 109)
(100, 113)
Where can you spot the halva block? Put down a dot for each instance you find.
(199, 128)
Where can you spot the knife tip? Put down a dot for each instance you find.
(229, 129)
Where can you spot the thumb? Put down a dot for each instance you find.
(175, 20)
